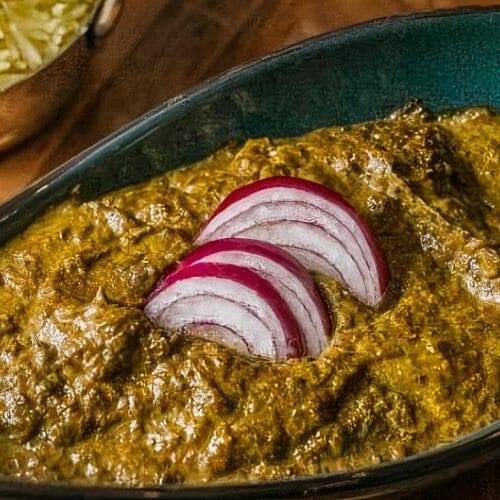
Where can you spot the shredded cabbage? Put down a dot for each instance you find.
(34, 32)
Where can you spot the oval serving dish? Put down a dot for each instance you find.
(448, 59)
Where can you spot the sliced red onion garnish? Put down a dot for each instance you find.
(229, 304)
(285, 272)
(317, 225)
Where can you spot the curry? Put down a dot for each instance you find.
(92, 392)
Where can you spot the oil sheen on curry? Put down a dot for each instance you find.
(91, 391)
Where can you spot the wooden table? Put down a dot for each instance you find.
(162, 47)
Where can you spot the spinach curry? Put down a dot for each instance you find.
(92, 392)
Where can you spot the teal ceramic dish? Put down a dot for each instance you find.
(448, 59)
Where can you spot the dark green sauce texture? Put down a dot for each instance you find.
(92, 392)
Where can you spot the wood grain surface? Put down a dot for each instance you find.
(162, 47)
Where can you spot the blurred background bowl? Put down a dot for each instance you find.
(28, 106)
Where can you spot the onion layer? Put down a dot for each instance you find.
(315, 224)
(229, 304)
(287, 275)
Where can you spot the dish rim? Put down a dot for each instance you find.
(483, 445)
(147, 123)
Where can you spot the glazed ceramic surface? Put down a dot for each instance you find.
(446, 59)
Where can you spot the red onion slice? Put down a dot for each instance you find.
(229, 304)
(287, 275)
(317, 225)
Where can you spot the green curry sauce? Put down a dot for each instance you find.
(92, 392)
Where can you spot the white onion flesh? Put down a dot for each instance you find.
(288, 276)
(313, 223)
(229, 304)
